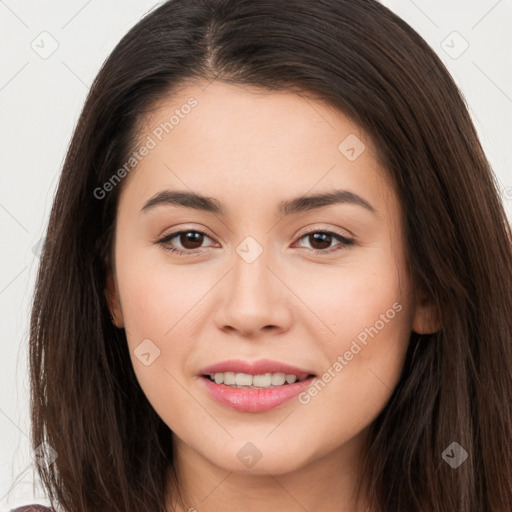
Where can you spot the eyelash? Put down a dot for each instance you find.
(345, 242)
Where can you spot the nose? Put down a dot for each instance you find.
(253, 299)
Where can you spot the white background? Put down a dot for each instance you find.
(40, 100)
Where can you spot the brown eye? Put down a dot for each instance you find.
(320, 241)
(190, 241)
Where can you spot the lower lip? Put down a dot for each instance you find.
(254, 400)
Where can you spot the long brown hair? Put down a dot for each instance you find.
(113, 451)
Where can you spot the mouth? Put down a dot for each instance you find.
(254, 387)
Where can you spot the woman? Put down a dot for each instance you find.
(337, 336)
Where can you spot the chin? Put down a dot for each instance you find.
(260, 456)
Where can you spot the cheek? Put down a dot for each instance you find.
(158, 299)
(368, 347)
(358, 380)
(370, 314)
(359, 302)
(160, 312)
(157, 314)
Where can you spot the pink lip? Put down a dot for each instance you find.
(254, 400)
(255, 368)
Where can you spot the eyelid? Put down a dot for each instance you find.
(304, 231)
(166, 237)
(345, 233)
(181, 228)
(344, 241)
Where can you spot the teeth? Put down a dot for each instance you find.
(266, 380)
(228, 379)
(278, 379)
(242, 379)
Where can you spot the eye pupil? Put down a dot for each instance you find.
(321, 237)
(193, 237)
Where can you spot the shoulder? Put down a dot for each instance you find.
(32, 508)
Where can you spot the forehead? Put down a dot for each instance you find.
(215, 137)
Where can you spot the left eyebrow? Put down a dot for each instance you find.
(315, 201)
(285, 208)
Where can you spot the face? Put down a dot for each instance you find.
(321, 286)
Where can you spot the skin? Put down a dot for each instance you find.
(251, 150)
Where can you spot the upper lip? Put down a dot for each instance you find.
(255, 368)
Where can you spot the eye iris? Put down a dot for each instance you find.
(323, 238)
(193, 237)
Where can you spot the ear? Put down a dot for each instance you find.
(427, 316)
(114, 304)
